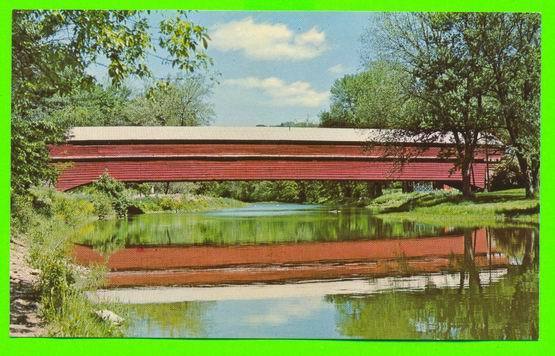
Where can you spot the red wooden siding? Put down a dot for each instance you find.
(251, 161)
(77, 152)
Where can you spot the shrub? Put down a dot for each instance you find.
(116, 191)
(102, 206)
(22, 213)
(167, 203)
(72, 209)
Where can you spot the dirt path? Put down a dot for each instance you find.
(24, 319)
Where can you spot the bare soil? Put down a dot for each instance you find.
(24, 317)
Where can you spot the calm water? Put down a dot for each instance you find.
(298, 271)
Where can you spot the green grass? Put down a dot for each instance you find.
(509, 207)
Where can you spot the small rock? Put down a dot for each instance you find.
(21, 301)
(109, 316)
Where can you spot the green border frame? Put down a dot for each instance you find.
(40, 346)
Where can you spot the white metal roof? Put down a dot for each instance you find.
(215, 133)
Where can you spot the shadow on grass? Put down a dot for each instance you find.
(426, 200)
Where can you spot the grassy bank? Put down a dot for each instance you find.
(449, 208)
(185, 203)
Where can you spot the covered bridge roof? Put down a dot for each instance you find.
(239, 134)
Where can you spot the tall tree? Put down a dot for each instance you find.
(442, 55)
(173, 103)
(51, 51)
(511, 53)
(374, 98)
(475, 72)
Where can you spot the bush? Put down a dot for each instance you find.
(103, 208)
(43, 201)
(22, 213)
(505, 175)
(168, 203)
(63, 304)
(116, 191)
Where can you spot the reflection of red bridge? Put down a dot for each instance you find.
(141, 154)
(319, 260)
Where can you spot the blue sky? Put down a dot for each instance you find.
(275, 66)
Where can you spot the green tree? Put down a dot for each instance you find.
(511, 53)
(374, 98)
(51, 51)
(173, 103)
(97, 106)
(441, 51)
(474, 73)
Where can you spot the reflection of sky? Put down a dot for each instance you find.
(274, 318)
(302, 315)
(265, 318)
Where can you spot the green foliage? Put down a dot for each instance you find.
(103, 208)
(185, 203)
(472, 74)
(51, 88)
(22, 211)
(52, 49)
(49, 230)
(168, 203)
(506, 174)
(29, 153)
(173, 103)
(115, 191)
(96, 106)
(511, 48)
(340, 192)
(375, 98)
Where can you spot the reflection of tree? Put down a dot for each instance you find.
(159, 229)
(507, 309)
(186, 319)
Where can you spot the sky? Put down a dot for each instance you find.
(274, 66)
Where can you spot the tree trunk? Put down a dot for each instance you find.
(347, 189)
(166, 188)
(529, 177)
(407, 187)
(374, 189)
(466, 176)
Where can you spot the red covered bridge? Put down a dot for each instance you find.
(163, 154)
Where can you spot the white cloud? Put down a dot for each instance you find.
(337, 69)
(268, 41)
(285, 311)
(298, 93)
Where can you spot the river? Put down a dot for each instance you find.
(306, 271)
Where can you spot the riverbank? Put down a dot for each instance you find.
(187, 203)
(47, 290)
(443, 207)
